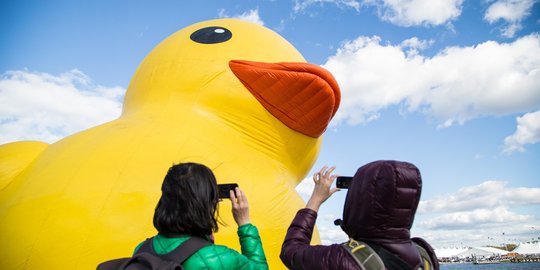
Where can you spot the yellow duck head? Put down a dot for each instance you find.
(203, 64)
(226, 93)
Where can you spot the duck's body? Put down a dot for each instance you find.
(91, 196)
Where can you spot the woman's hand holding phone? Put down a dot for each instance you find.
(322, 191)
(240, 206)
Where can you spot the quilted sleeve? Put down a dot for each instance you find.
(219, 257)
(252, 248)
(297, 253)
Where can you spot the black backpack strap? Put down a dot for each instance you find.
(186, 249)
(147, 246)
(179, 254)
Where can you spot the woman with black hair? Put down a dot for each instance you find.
(188, 207)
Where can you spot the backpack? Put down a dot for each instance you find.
(374, 257)
(146, 258)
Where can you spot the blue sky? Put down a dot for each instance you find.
(452, 86)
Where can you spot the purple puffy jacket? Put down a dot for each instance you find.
(380, 207)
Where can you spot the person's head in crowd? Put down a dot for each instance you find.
(189, 201)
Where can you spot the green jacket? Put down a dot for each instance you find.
(218, 256)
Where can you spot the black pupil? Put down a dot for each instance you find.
(211, 35)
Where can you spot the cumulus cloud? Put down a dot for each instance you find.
(250, 16)
(527, 132)
(512, 12)
(44, 107)
(417, 12)
(413, 46)
(487, 195)
(332, 235)
(477, 214)
(372, 76)
(403, 13)
(481, 235)
(301, 5)
(456, 85)
(477, 218)
(433, 13)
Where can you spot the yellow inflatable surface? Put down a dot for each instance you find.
(230, 94)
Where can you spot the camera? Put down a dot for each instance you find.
(223, 190)
(343, 181)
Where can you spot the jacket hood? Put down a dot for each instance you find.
(381, 201)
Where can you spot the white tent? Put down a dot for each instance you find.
(482, 252)
(449, 252)
(528, 248)
(496, 251)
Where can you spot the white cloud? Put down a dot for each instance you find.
(487, 195)
(44, 107)
(399, 12)
(250, 16)
(475, 218)
(514, 232)
(301, 5)
(510, 11)
(478, 215)
(454, 86)
(332, 235)
(413, 46)
(371, 77)
(527, 132)
(417, 12)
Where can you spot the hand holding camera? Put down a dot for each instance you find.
(322, 191)
(240, 206)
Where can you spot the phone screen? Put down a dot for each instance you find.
(224, 190)
(343, 181)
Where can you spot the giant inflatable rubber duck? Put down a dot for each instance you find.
(230, 94)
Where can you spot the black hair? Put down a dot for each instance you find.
(189, 201)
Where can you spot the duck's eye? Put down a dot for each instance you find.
(211, 35)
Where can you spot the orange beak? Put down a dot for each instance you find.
(302, 96)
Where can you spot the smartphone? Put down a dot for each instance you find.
(343, 181)
(224, 190)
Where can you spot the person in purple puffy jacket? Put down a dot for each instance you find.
(379, 211)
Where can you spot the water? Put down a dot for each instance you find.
(498, 266)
